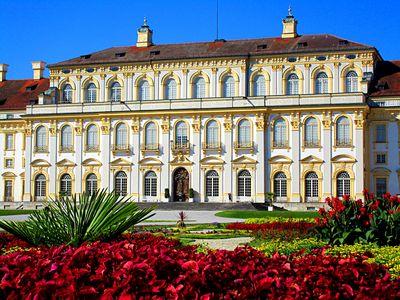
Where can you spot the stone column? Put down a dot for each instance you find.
(196, 152)
(214, 83)
(296, 168)
(136, 176)
(78, 88)
(184, 87)
(327, 155)
(28, 160)
(307, 79)
(106, 150)
(53, 154)
(103, 94)
(243, 81)
(336, 78)
(78, 156)
(228, 149)
(279, 80)
(274, 82)
(165, 157)
(359, 122)
(156, 85)
(260, 154)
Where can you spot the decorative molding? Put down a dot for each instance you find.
(165, 124)
(135, 125)
(78, 126)
(327, 119)
(295, 121)
(53, 128)
(228, 122)
(260, 122)
(105, 126)
(196, 125)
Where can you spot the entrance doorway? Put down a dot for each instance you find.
(181, 185)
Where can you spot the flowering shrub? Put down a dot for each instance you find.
(276, 230)
(151, 267)
(287, 247)
(277, 219)
(385, 255)
(377, 220)
(8, 241)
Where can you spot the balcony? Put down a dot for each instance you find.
(121, 149)
(212, 147)
(180, 147)
(92, 148)
(343, 143)
(280, 144)
(41, 149)
(66, 149)
(239, 146)
(152, 148)
(312, 144)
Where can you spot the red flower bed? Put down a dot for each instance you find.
(149, 267)
(298, 226)
(8, 241)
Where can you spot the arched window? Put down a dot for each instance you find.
(212, 136)
(92, 143)
(67, 94)
(121, 136)
(229, 87)
(150, 184)
(280, 130)
(311, 186)
(311, 132)
(121, 184)
(280, 186)
(351, 82)
(292, 85)
(65, 185)
(115, 92)
(144, 90)
(343, 184)
(40, 187)
(66, 138)
(244, 134)
(343, 132)
(181, 135)
(259, 86)
(91, 93)
(212, 184)
(151, 136)
(170, 89)
(199, 88)
(41, 139)
(321, 83)
(244, 184)
(91, 184)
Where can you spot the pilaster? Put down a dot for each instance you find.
(327, 154)
(296, 146)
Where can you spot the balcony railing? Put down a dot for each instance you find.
(150, 148)
(41, 149)
(311, 143)
(343, 142)
(66, 148)
(92, 148)
(121, 148)
(244, 145)
(180, 147)
(280, 144)
(212, 147)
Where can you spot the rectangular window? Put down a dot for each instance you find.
(8, 190)
(380, 186)
(9, 163)
(381, 158)
(9, 141)
(381, 133)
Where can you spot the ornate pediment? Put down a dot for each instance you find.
(212, 160)
(311, 159)
(244, 160)
(120, 162)
(181, 160)
(8, 174)
(91, 162)
(343, 158)
(280, 159)
(40, 163)
(150, 161)
(65, 163)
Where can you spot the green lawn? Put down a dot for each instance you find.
(246, 214)
(10, 212)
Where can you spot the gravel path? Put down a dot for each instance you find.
(227, 244)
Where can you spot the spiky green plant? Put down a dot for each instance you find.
(74, 220)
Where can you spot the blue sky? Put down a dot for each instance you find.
(53, 31)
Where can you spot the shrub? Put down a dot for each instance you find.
(277, 219)
(385, 255)
(150, 267)
(72, 222)
(377, 220)
(285, 247)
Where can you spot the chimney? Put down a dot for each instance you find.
(289, 26)
(145, 35)
(3, 72)
(38, 69)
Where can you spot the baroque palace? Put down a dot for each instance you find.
(301, 116)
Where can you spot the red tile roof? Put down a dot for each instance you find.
(386, 81)
(16, 94)
(241, 48)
